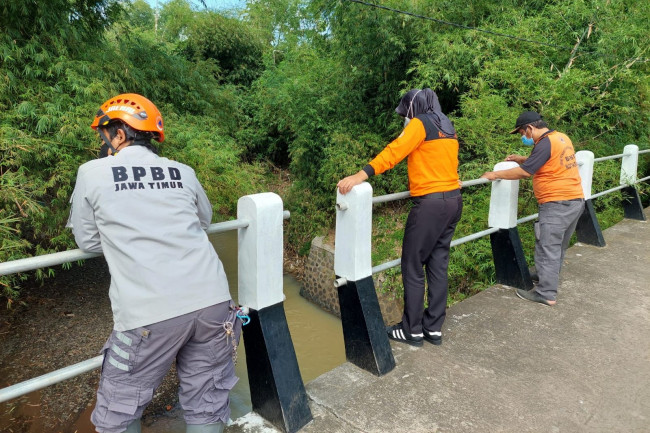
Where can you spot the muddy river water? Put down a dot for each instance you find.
(317, 338)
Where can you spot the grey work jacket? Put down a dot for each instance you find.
(148, 215)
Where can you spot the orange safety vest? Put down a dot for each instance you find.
(432, 158)
(559, 178)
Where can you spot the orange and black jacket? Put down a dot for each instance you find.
(432, 157)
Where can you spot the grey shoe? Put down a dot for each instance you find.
(532, 295)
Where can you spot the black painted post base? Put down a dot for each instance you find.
(588, 229)
(364, 333)
(632, 207)
(277, 391)
(509, 260)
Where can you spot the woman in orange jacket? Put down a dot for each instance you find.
(430, 143)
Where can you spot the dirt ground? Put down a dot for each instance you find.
(60, 322)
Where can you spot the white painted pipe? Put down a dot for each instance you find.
(48, 379)
(606, 158)
(54, 259)
(608, 191)
(474, 182)
(528, 218)
(407, 194)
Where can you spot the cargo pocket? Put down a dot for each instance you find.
(226, 383)
(127, 399)
(218, 398)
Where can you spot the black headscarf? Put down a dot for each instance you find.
(417, 101)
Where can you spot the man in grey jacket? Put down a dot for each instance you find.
(168, 291)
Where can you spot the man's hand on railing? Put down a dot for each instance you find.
(490, 175)
(519, 159)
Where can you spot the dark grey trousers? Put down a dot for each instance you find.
(427, 235)
(557, 222)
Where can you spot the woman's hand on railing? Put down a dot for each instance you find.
(346, 184)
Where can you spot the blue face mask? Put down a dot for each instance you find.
(527, 141)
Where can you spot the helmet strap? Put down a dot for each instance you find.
(107, 143)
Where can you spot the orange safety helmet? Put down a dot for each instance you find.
(135, 110)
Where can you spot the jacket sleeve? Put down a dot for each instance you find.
(412, 136)
(204, 208)
(82, 219)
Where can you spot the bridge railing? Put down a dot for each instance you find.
(259, 226)
(352, 256)
(586, 172)
(280, 395)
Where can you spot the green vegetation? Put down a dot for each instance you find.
(309, 87)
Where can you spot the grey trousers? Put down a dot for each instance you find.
(557, 222)
(135, 362)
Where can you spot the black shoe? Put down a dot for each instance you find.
(397, 333)
(532, 295)
(433, 337)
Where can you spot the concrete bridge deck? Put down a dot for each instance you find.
(509, 365)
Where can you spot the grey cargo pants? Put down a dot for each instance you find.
(557, 222)
(136, 361)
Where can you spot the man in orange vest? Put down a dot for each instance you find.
(558, 190)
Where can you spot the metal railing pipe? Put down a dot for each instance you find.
(44, 261)
(605, 158)
(528, 218)
(48, 379)
(54, 259)
(644, 151)
(406, 194)
(391, 197)
(643, 179)
(473, 236)
(227, 225)
(474, 182)
(608, 191)
(455, 242)
(387, 265)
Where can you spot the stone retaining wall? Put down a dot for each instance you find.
(318, 284)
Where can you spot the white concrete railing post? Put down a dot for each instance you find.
(629, 164)
(588, 229)
(364, 335)
(352, 259)
(260, 250)
(503, 199)
(510, 266)
(277, 391)
(585, 160)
